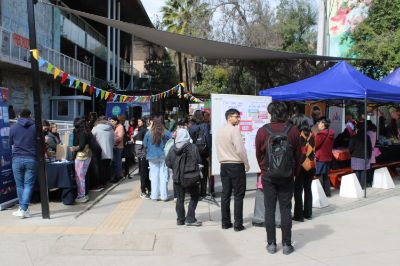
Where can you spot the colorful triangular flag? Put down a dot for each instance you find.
(106, 96)
(84, 87)
(91, 90)
(97, 92)
(71, 81)
(49, 68)
(64, 77)
(77, 83)
(57, 72)
(115, 97)
(41, 62)
(102, 94)
(35, 54)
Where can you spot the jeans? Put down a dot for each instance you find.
(283, 192)
(159, 179)
(118, 162)
(25, 174)
(303, 181)
(145, 184)
(180, 203)
(233, 177)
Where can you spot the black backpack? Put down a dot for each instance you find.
(280, 154)
(200, 141)
(189, 169)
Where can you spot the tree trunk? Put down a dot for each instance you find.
(180, 67)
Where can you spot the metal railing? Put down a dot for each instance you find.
(21, 56)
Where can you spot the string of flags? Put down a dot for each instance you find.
(75, 83)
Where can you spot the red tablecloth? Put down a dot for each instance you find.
(342, 154)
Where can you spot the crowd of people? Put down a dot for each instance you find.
(291, 151)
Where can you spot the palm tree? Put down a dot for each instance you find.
(190, 17)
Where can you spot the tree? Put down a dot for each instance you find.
(163, 72)
(215, 79)
(378, 38)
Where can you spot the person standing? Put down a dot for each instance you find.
(232, 156)
(119, 133)
(24, 164)
(323, 153)
(53, 138)
(278, 184)
(154, 141)
(83, 157)
(184, 160)
(200, 133)
(356, 149)
(103, 132)
(307, 171)
(140, 152)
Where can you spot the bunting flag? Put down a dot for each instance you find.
(35, 54)
(64, 77)
(91, 90)
(106, 96)
(41, 62)
(97, 92)
(49, 68)
(71, 81)
(84, 87)
(115, 97)
(102, 94)
(111, 97)
(77, 83)
(57, 72)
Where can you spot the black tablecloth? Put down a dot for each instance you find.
(389, 154)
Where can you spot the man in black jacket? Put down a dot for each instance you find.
(184, 160)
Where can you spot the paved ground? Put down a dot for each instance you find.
(122, 229)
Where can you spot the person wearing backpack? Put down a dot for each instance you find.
(307, 170)
(232, 156)
(200, 134)
(323, 153)
(277, 151)
(184, 159)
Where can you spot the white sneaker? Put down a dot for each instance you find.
(18, 213)
(82, 199)
(25, 214)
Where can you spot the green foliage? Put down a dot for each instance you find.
(295, 22)
(163, 72)
(378, 38)
(215, 80)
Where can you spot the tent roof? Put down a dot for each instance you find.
(211, 50)
(342, 81)
(393, 78)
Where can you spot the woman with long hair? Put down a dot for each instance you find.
(83, 156)
(140, 152)
(154, 141)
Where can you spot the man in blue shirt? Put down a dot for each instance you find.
(24, 164)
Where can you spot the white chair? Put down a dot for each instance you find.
(350, 187)
(382, 179)
(318, 195)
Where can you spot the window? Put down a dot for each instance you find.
(62, 108)
(79, 109)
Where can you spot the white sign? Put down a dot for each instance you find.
(337, 116)
(254, 114)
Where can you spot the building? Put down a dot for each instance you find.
(92, 52)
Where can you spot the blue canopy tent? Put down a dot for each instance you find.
(393, 78)
(342, 81)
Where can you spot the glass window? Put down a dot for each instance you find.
(62, 108)
(79, 109)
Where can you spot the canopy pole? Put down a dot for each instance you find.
(365, 147)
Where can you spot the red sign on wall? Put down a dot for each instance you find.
(20, 41)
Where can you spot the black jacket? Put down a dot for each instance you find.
(141, 133)
(184, 161)
(356, 146)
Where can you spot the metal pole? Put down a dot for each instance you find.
(119, 48)
(44, 196)
(132, 59)
(94, 75)
(114, 40)
(108, 42)
(365, 147)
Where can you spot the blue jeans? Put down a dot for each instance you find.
(25, 173)
(118, 162)
(159, 179)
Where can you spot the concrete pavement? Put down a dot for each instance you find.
(123, 229)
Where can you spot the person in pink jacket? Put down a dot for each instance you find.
(119, 133)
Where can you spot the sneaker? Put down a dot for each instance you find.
(82, 199)
(178, 222)
(195, 223)
(144, 196)
(25, 214)
(287, 249)
(18, 213)
(271, 248)
(175, 199)
(227, 226)
(239, 228)
(298, 219)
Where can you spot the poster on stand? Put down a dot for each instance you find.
(253, 113)
(8, 193)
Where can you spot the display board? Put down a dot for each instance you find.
(254, 114)
(8, 193)
(337, 117)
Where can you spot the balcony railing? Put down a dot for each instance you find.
(17, 54)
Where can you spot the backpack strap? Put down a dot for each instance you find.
(288, 127)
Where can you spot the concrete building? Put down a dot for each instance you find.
(90, 51)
